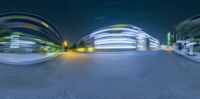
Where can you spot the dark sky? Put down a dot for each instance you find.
(77, 18)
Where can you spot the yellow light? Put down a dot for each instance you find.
(30, 26)
(80, 49)
(45, 49)
(65, 44)
(73, 56)
(45, 24)
(90, 49)
(140, 46)
(119, 25)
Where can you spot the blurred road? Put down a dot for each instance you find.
(125, 75)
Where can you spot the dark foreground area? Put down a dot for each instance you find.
(126, 75)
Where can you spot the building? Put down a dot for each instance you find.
(188, 35)
(118, 37)
(27, 33)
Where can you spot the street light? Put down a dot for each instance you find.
(65, 45)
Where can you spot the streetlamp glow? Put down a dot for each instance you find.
(65, 44)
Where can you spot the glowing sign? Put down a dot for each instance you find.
(169, 38)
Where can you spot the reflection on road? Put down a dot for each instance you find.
(127, 75)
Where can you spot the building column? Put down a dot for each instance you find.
(142, 44)
(191, 50)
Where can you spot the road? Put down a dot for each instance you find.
(125, 75)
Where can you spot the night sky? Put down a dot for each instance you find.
(77, 18)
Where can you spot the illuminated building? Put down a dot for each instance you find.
(188, 35)
(27, 33)
(119, 37)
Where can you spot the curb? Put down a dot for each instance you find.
(189, 57)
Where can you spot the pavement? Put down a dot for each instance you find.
(196, 56)
(123, 75)
(25, 59)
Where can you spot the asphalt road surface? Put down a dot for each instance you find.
(125, 75)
